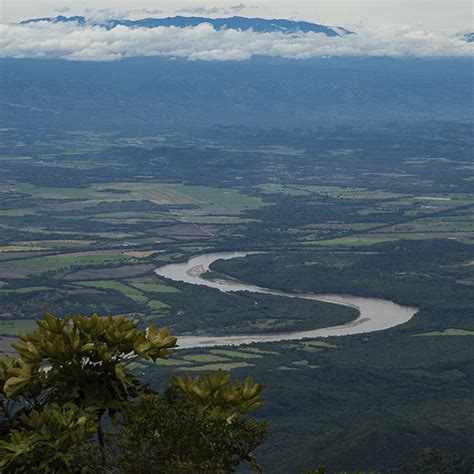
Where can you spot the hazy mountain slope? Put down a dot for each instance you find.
(155, 92)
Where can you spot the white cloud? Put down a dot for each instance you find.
(62, 10)
(98, 15)
(68, 41)
(202, 10)
(150, 11)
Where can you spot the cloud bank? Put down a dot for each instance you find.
(95, 43)
(97, 15)
(232, 10)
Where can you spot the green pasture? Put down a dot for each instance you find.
(27, 289)
(336, 192)
(154, 287)
(322, 344)
(57, 243)
(257, 350)
(172, 362)
(139, 215)
(353, 241)
(368, 239)
(217, 366)
(128, 291)
(20, 248)
(67, 260)
(203, 196)
(156, 305)
(235, 354)
(441, 225)
(15, 327)
(289, 190)
(217, 220)
(305, 364)
(448, 332)
(205, 358)
(219, 198)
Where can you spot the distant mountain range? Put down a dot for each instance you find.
(145, 94)
(259, 25)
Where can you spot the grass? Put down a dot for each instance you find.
(20, 248)
(8, 256)
(368, 239)
(309, 348)
(305, 363)
(219, 198)
(16, 212)
(156, 305)
(289, 190)
(235, 354)
(256, 350)
(319, 344)
(132, 215)
(58, 243)
(441, 225)
(355, 241)
(154, 288)
(171, 362)
(449, 332)
(69, 259)
(413, 236)
(15, 327)
(223, 220)
(128, 291)
(205, 197)
(204, 358)
(314, 346)
(358, 226)
(328, 191)
(141, 253)
(25, 290)
(222, 366)
(202, 196)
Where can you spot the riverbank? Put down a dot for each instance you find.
(374, 314)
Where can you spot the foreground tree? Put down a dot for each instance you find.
(72, 372)
(172, 433)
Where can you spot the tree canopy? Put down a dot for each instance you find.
(71, 373)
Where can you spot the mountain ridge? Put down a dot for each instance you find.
(259, 25)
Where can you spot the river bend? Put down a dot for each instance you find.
(374, 314)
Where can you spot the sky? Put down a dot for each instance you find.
(402, 28)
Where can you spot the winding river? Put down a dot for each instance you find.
(374, 314)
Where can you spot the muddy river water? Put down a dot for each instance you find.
(374, 314)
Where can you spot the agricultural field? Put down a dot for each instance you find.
(86, 217)
(152, 209)
(90, 230)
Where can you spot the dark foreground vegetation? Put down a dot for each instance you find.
(73, 374)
